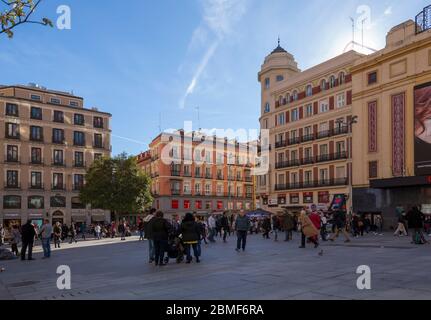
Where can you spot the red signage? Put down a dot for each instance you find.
(429, 179)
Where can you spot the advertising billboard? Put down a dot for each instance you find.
(423, 129)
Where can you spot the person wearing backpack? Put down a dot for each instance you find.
(415, 220)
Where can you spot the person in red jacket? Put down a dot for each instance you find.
(315, 218)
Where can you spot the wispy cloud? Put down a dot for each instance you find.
(388, 11)
(219, 17)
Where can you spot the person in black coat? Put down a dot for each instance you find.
(28, 235)
(224, 222)
(191, 234)
(415, 220)
(266, 226)
(160, 228)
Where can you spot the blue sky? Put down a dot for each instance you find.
(146, 60)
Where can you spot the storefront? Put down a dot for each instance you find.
(58, 216)
(10, 220)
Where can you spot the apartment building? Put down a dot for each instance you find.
(48, 140)
(308, 115)
(192, 172)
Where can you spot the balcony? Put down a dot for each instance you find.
(340, 130)
(307, 138)
(38, 186)
(198, 175)
(287, 164)
(12, 136)
(58, 164)
(175, 192)
(77, 187)
(97, 146)
(332, 157)
(249, 195)
(307, 160)
(220, 177)
(58, 141)
(323, 134)
(12, 186)
(79, 164)
(280, 144)
(239, 178)
(36, 139)
(208, 176)
(293, 141)
(175, 173)
(187, 174)
(248, 179)
(36, 162)
(58, 187)
(12, 160)
(312, 184)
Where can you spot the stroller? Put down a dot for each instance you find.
(175, 249)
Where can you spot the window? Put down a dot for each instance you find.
(78, 119)
(98, 142)
(279, 78)
(57, 181)
(267, 108)
(208, 205)
(308, 177)
(12, 153)
(36, 180)
(295, 95)
(372, 78)
(340, 172)
(294, 178)
(295, 115)
(36, 133)
(98, 122)
(79, 159)
(97, 156)
(74, 104)
(198, 204)
(341, 100)
(11, 202)
(197, 189)
(340, 147)
(323, 85)
(197, 172)
(219, 189)
(207, 189)
(12, 110)
(12, 179)
(308, 154)
(332, 82)
(309, 110)
(372, 170)
(323, 197)
(308, 131)
(36, 113)
(281, 119)
(78, 138)
(309, 91)
(267, 83)
(174, 204)
(186, 188)
(12, 130)
(208, 157)
(78, 181)
(324, 106)
(55, 101)
(288, 97)
(36, 155)
(35, 97)
(58, 116)
(77, 203)
(58, 136)
(294, 155)
(323, 149)
(35, 202)
(323, 175)
(342, 78)
(186, 204)
(58, 157)
(58, 202)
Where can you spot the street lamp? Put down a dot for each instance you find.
(351, 122)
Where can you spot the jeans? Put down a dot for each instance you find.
(199, 248)
(98, 235)
(56, 241)
(14, 248)
(151, 248)
(46, 245)
(288, 234)
(160, 248)
(242, 239)
(225, 232)
(24, 249)
(211, 234)
(195, 251)
(275, 234)
(141, 235)
(303, 238)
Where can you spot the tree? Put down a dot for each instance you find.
(16, 12)
(117, 184)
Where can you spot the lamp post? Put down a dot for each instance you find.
(351, 122)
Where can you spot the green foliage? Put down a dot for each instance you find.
(117, 184)
(16, 12)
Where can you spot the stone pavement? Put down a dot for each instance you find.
(114, 269)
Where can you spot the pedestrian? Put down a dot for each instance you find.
(46, 232)
(113, 230)
(72, 231)
(401, 229)
(83, 230)
(415, 220)
(122, 230)
(64, 232)
(28, 235)
(57, 234)
(224, 222)
(378, 222)
(218, 227)
(275, 226)
(16, 239)
(266, 226)
(242, 225)
(288, 225)
(148, 232)
(211, 228)
(190, 232)
(203, 230)
(324, 222)
(160, 231)
(97, 230)
(339, 219)
(2, 234)
(315, 219)
(141, 230)
(308, 230)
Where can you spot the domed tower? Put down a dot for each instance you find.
(279, 65)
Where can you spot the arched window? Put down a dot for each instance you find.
(11, 202)
(58, 202)
(288, 97)
(309, 91)
(280, 100)
(267, 108)
(295, 95)
(323, 85)
(342, 78)
(332, 82)
(36, 202)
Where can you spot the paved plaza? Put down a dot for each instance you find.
(114, 269)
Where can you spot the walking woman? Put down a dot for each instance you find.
(191, 234)
(16, 239)
(57, 235)
(308, 230)
(160, 228)
(72, 231)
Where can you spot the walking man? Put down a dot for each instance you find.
(141, 230)
(97, 230)
(211, 228)
(57, 235)
(16, 239)
(242, 225)
(225, 225)
(28, 234)
(148, 230)
(46, 233)
(340, 225)
(275, 226)
(288, 225)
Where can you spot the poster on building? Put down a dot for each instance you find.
(423, 129)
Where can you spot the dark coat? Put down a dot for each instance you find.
(266, 225)
(191, 231)
(288, 222)
(415, 219)
(148, 228)
(160, 228)
(275, 223)
(224, 222)
(28, 232)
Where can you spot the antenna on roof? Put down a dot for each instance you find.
(278, 40)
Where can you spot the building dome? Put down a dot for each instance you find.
(279, 49)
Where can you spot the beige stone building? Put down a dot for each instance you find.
(48, 140)
(308, 115)
(392, 139)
